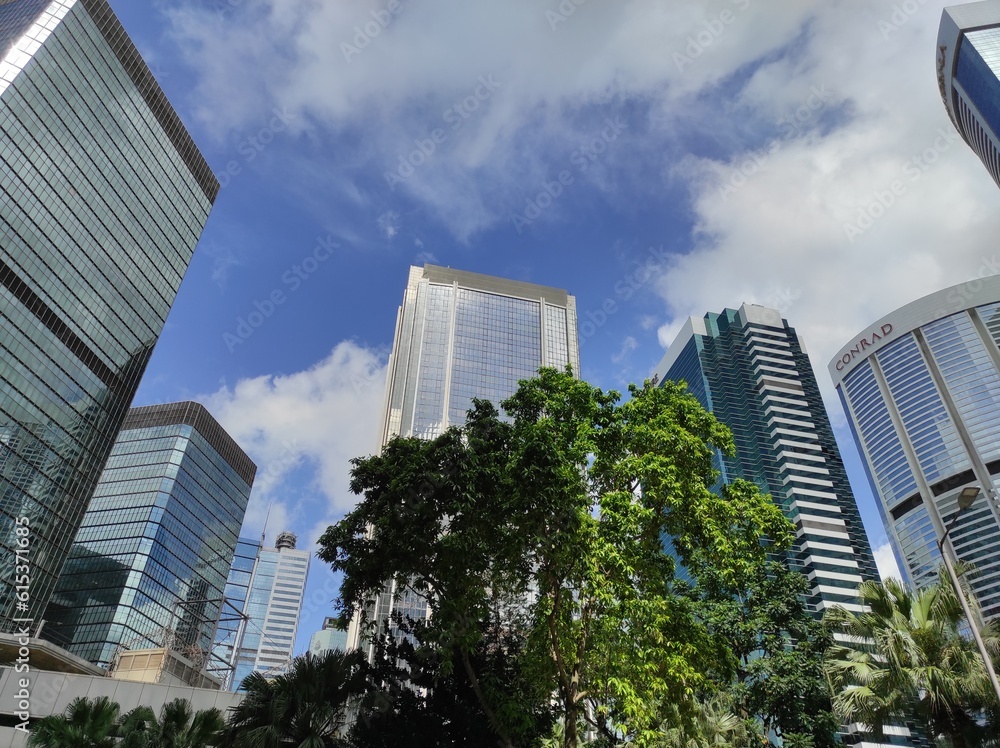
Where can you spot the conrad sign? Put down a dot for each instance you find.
(863, 344)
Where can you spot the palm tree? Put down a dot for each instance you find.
(86, 723)
(713, 724)
(179, 726)
(303, 708)
(907, 656)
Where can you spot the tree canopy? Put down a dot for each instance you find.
(551, 524)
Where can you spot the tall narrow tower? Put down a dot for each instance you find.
(750, 369)
(103, 196)
(460, 336)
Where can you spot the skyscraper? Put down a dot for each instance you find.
(103, 196)
(149, 564)
(921, 388)
(749, 368)
(227, 654)
(968, 68)
(460, 336)
(273, 607)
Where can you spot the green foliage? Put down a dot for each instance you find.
(773, 653)
(305, 707)
(909, 657)
(537, 526)
(86, 723)
(95, 723)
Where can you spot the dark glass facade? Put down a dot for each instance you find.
(748, 367)
(165, 517)
(103, 196)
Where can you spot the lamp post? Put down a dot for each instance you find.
(966, 499)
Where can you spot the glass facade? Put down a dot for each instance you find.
(103, 196)
(275, 585)
(748, 367)
(150, 561)
(461, 336)
(232, 626)
(969, 76)
(925, 408)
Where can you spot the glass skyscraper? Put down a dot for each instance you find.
(232, 622)
(922, 392)
(103, 196)
(968, 69)
(275, 587)
(150, 562)
(460, 336)
(750, 369)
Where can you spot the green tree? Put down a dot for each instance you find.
(178, 726)
(305, 707)
(772, 652)
(909, 657)
(86, 723)
(553, 522)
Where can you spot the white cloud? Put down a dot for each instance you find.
(309, 422)
(886, 562)
(389, 223)
(511, 95)
(629, 345)
(779, 231)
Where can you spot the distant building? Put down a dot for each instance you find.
(968, 70)
(921, 388)
(227, 654)
(460, 336)
(273, 607)
(149, 564)
(329, 638)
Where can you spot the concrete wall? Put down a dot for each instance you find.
(51, 693)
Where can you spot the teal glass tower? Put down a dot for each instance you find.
(150, 562)
(103, 196)
(750, 369)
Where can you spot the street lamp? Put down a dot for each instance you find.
(967, 498)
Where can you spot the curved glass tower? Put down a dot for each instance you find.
(921, 387)
(968, 68)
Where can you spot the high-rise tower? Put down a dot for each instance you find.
(150, 562)
(273, 608)
(921, 388)
(460, 336)
(103, 196)
(968, 70)
(749, 368)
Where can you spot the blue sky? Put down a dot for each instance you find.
(656, 158)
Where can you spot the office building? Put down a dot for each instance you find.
(968, 67)
(328, 639)
(460, 336)
(103, 196)
(227, 655)
(149, 565)
(921, 388)
(273, 607)
(750, 368)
